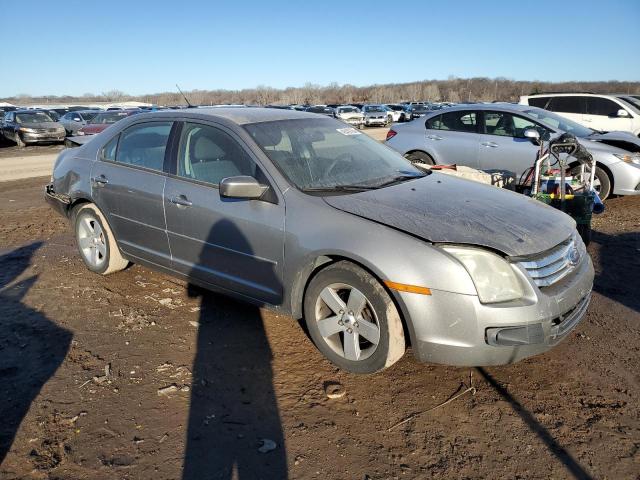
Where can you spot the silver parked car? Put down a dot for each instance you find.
(308, 216)
(491, 136)
(376, 115)
(350, 114)
(74, 121)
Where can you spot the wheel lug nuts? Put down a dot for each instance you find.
(355, 324)
(341, 312)
(340, 322)
(350, 312)
(349, 330)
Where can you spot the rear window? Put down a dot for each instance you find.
(540, 102)
(461, 121)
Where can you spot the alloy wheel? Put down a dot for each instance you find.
(92, 242)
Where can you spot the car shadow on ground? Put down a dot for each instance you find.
(233, 412)
(571, 464)
(32, 347)
(618, 257)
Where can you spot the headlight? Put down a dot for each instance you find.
(79, 132)
(27, 130)
(629, 157)
(492, 275)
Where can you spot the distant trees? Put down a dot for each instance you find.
(452, 89)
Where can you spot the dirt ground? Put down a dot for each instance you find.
(136, 376)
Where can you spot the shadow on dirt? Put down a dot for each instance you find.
(32, 347)
(619, 262)
(234, 411)
(575, 469)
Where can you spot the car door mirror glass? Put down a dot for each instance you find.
(532, 134)
(622, 113)
(242, 186)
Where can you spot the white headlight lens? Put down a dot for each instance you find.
(492, 275)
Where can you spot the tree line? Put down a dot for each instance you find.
(453, 89)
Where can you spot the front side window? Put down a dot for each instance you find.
(209, 155)
(324, 154)
(602, 106)
(459, 121)
(505, 124)
(143, 145)
(570, 104)
(557, 122)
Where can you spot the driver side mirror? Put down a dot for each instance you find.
(532, 134)
(622, 113)
(242, 186)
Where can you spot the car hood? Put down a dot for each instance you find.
(42, 125)
(350, 115)
(623, 140)
(444, 209)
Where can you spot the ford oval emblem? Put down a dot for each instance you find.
(574, 256)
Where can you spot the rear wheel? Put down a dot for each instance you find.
(420, 157)
(96, 243)
(352, 319)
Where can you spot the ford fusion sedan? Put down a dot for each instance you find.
(304, 214)
(26, 127)
(491, 136)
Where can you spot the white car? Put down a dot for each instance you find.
(597, 111)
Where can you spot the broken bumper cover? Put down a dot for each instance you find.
(455, 329)
(60, 203)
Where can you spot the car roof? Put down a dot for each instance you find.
(504, 106)
(238, 115)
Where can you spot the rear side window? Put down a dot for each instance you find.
(462, 121)
(143, 145)
(540, 102)
(108, 152)
(571, 104)
(208, 154)
(602, 106)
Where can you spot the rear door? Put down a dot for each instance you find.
(503, 145)
(572, 107)
(127, 184)
(233, 244)
(602, 114)
(453, 137)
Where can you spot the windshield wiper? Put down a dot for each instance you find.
(341, 188)
(399, 179)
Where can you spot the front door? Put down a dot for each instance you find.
(127, 185)
(602, 114)
(233, 244)
(503, 145)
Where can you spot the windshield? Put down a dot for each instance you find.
(108, 117)
(631, 100)
(324, 154)
(559, 123)
(89, 115)
(35, 117)
(373, 108)
(347, 110)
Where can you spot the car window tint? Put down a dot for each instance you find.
(570, 104)
(462, 121)
(602, 106)
(208, 154)
(143, 145)
(108, 152)
(507, 125)
(540, 102)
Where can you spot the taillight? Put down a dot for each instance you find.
(391, 134)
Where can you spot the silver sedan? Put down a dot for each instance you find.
(491, 136)
(307, 215)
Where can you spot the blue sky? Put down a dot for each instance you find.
(74, 47)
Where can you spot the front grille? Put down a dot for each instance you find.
(553, 265)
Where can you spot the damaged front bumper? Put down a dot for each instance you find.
(59, 202)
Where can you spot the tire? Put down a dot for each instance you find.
(101, 253)
(585, 232)
(19, 142)
(420, 157)
(341, 338)
(602, 177)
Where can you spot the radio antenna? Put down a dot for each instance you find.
(184, 96)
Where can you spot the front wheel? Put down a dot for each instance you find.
(96, 243)
(601, 182)
(353, 320)
(19, 142)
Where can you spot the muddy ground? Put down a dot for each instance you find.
(136, 376)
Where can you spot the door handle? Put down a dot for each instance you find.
(100, 181)
(181, 201)
(490, 144)
(434, 137)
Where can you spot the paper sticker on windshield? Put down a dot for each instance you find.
(348, 131)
